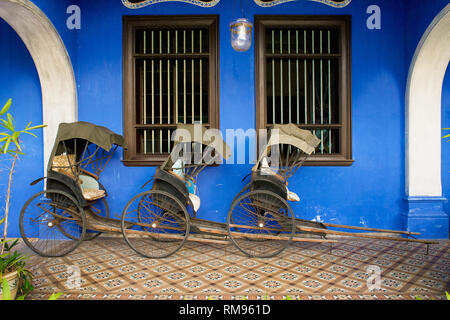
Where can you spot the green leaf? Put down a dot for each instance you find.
(55, 296)
(6, 107)
(446, 136)
(21, 298)
(6, 146)
(6, 290)
(37, 127)
(447, 295)
(418, 298)
(288, 298)
(29, 133)
(6, 124)
(2, 220)
(11, 121)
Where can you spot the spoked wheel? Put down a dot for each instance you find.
(261, 224)
(52, 223)
(141, 208)
(155, 224)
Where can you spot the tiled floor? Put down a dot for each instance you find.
(109, 269)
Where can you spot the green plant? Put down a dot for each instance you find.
(10, 260)
(14, 261)
(7, 293)
(446, 294)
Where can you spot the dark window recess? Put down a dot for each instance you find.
(304, 76)
(170, 77)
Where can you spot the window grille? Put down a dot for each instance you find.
(304, 65)
(175, 81)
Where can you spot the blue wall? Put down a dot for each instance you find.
(368, 193)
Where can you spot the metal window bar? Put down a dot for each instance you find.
(329, 92)
(305, 78)
(321, 93)
(145, 91)
(273, 77)
(192, 76)
(316, 84)
(184, 78)
(153, 92)
(168, 89)
(201, 81)
(197, 85)
(298, 80)
(281, 76)
(289, 77)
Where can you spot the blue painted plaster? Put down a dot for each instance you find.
(368, 193)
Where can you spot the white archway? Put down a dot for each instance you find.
(59, 95)
(423, 109)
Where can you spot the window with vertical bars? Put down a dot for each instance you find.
(170, 77)
(304, 77)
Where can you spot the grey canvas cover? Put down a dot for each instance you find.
(201, 134)
(290, 134)
(99, 135)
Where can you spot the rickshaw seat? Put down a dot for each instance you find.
(90, 188)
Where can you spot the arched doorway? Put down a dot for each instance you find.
(423, 131)
(59, 96)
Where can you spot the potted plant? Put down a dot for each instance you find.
(13, 271)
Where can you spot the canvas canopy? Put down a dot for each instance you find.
(292, 135)
(99, 135)
(198, 133)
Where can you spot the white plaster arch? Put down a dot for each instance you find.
(59, 95)
(423, 109)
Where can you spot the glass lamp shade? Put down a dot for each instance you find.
(241, 34)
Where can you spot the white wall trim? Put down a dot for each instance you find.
(423, 109)
(59, 95)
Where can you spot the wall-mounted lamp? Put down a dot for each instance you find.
(241, 34)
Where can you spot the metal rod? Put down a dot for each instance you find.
(329, 92)
(313, 85)
(176, 77)
(153, 94)
(145, 92)
(298, 84)
(321, 94)
(289, 77)
(192, 77)
(184, 79)
(281, 76)
(168, 79)
(201, 81)
(305, 78)
(160, 91)
(168, 89)
(273, 77)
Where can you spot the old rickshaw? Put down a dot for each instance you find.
(156, 223)
(261, 210)
(53, 222)
(260, 222)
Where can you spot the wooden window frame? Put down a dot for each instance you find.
(130, 24)
(344, 158)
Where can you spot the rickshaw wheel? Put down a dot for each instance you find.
(100, 208)
(255, 218)
(52, 223)
(140, 219)
(153, 216)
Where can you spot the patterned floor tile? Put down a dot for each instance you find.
(111, 270)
